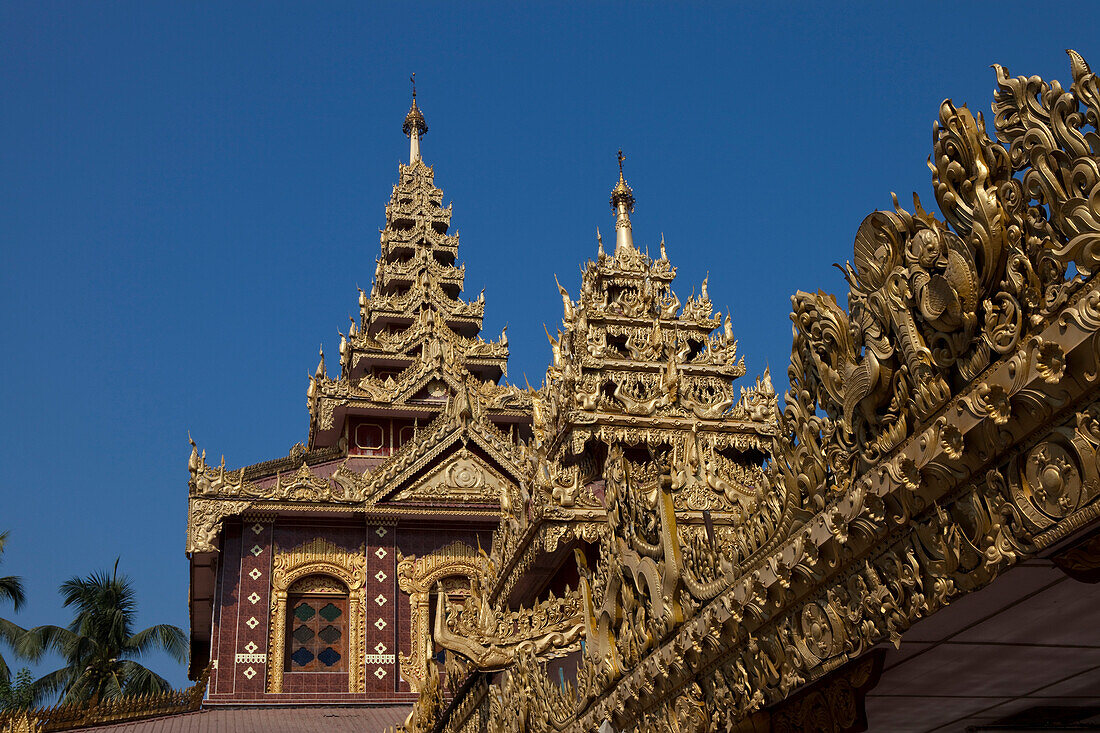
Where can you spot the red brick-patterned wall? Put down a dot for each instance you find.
(382, 602)
(289, 535)
(242, 609)
(253, 630)
(244, 574)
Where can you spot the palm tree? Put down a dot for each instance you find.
(99, 646)
(11, 589)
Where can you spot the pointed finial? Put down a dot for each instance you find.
(663, 255)
(415, 126)
(599, 240)
(622, 203)
(622, 193)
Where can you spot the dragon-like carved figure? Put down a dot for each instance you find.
(642, 597)
(932, 303)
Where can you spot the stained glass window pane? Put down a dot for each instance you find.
(301, 656)
(317, 635)
(329, 657)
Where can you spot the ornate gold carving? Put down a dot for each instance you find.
(318, 562)
(462, 478)
(204, 521)
(318, 584)
(940, 430)
(417, 576)
(301, 485)
(119, 710)
(491, 640)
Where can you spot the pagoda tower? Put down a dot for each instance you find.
(416, 342)
(641, 384)
(635, 366)
(313, 575)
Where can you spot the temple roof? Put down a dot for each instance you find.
(631, 357)
(288, 719)
(416, 340)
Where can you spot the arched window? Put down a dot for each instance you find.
(454, 566)
(317, 573)
(317, 629)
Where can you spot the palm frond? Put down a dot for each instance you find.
(110, 687)
(105, 606)
(33, 643)
(140, 680)
(46, 688)
(11, 588)
(10, 631)
(165, 637)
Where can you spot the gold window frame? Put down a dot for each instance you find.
(318, 557)
(416, 576)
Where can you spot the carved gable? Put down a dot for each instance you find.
(462, 477)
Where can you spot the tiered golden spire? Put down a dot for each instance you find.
(415, 126)
(622, 203)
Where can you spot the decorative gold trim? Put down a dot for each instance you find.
(109, 712)
(318, 557)
(417, 576)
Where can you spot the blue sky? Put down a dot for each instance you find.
(190, 194)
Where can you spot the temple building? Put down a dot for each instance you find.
(907, 540)
(312, 574)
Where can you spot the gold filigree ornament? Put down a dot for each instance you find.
(1050, 361)
(951, 440)
(458, 563)
(1053, 481)
(993, 400)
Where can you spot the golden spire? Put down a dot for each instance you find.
(622, 203)
(415, 126)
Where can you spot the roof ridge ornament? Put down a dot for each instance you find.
(622, 203)
(415, 126)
